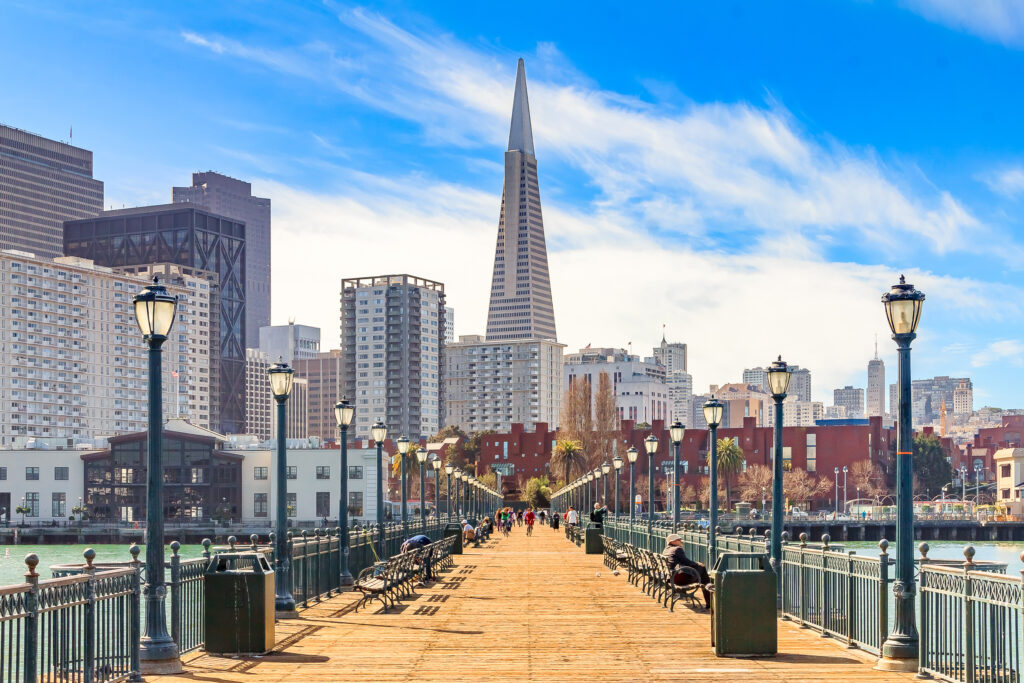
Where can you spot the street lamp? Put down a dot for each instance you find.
(344, 413)
(280, 376)
(903, 306)
(155, 310)
(651, 446)
(779, 374)
(963, 484)
(458, 492)
(713, 410)
(421, 455)
(435, 462)
(835, 497)
(676, 434)
(617, 464)
(631, 455)
(449, 470)
(403, 450)
(379, 432)
(605, 469)
(977, 483)
(845, 470)
(598, 476)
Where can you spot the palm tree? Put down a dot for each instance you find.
(411, 470)
(730, 461)
(567, 457)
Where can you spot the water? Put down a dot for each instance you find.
(1004, 551)
(12, 557)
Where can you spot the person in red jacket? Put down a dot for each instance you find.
(529, 518)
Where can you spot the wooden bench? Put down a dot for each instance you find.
(651, 573)
(396, 577)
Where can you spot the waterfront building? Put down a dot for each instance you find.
(43, 183)
(850, 398)
(193, 238)
(73, 365)
(50, 481)
(520, 306)
(289, 343)
(226, 196)
(1009, 466)
(323, 372)
(392, 345)
(876, 386)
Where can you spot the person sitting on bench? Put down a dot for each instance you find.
(677, 559)
(468, 532)
(421, 541)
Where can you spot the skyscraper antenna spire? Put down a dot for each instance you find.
(520, 135)
(876, 346)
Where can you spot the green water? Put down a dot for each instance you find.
(12, 557)
(989, 551)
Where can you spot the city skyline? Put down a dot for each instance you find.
(424, 186)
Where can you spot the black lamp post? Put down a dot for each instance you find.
(403, 450)
(606, 468)
(449, 470)
(779, 374)
(713, 410)
(903, 306)
(344, 412)
(379, 432)
(435, 463)
(676, 433)
(617, 464)
(154, 312)
(631, 455)
(280, 376)
(651, 446)
(598, 476)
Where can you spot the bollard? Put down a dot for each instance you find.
(231, 542)
(254, 542)
(206, 548)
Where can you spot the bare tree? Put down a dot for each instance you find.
(755, 483)
(869, 478)
(606, 422)
(799, 486)
(576, 423)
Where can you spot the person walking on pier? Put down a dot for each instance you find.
(572, 518)
(555, 520)
(677, 559)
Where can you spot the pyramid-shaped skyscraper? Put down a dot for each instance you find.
(521, 306)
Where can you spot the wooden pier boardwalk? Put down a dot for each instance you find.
(522, 609)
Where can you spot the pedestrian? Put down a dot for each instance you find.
(555, 519)
(529, 518)
(572, 518)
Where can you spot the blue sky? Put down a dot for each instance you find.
(751, 175)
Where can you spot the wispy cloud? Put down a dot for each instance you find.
(1008, 350)
(1000, 21)
(1008, 182)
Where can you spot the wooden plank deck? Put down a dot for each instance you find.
(523, 609)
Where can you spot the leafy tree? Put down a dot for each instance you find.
(449, 432)
(568, 459)
(930, 464)
(537, 492)
(730, 461)
(471, 449)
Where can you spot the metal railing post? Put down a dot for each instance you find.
(135, 619)
(305, 567)
(969, 667)
(89, 616)
(803, 593)
(823, 603)
(851, 605)
(176, 593)
(31, 618)
(883, 591)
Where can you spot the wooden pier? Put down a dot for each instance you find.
(523, 609)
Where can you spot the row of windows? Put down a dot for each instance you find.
(32, 473)
(292, 472)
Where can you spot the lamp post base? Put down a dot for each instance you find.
(903, 664)
(160, 667)
(346, 580)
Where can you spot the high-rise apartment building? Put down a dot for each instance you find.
(640, 387)
(289, 342)
(42, 184)
(850, 398)
(963, 399)
(494, 384)
(800, 383)
(796, 413)
(196, 239)
(521, 305)
(680, 393)
(672, 356)
(323, 373)
(259, 402)
(73, 366)
(876, 386)
(449, 325)
(226, 196)
(392, 345)
(758, 377)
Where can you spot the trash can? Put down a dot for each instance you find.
(454, 529)
(594, 545)
(743, 607)
(239, 614)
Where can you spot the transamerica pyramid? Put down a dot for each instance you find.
(520, 305)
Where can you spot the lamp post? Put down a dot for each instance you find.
(421, 455)
(344, 412)
(606, 468)
(449, 471)
(977, 484)
(280, 376)
(435, 463)
(963, 484)
(403, 450)
(845, 470)
(617, 464)
(379, 432)
(631, 455)
(779, 374)
(676, 434)
(598, 476)
(835, 497)
(764, 496)
(651, 446)
(154, 312)
(903, 306)
(713, 410)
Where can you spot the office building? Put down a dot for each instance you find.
(493, 384)
(323, 373)
(850, 398)
(233, 198)
(758, 377)
(73, 365)
(796, 413)
(641, 391)
(449, 325)
(876, 386)
(521, 306)
(800, 383)
(259, 402)
(198, 240)
(392, 345)
(289, 343)
(672, 356)
(42, 184)
(963, 399)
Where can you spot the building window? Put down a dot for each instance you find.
(259, 503)
(32, 503)
(1004, 470)
(1006, 494)
(291, 472)
(323, 503)
(293, 504)
(198, 475)
(3, 473)
(60, 473)
(323, 472)
(59, 505)
(355, 472)
(355, 504)
(260, 473)
(812, 452)
(31, 474)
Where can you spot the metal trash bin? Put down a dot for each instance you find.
(454, 529)
(239, 614)
(594, 545)
(743, 606)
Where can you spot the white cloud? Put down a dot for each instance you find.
(1008, 350)
(1001, 21)
(1008, 182)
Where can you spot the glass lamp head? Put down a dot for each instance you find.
(344, 412)
(779, 374)
(903, 306)
(155, 310)
(617, 462)
(713, 410)
(651, 444)
(676, 431)
(606, 467)
(631, 453)
(280, 376)
(403, 445)
(449, 469)
(379, 431)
